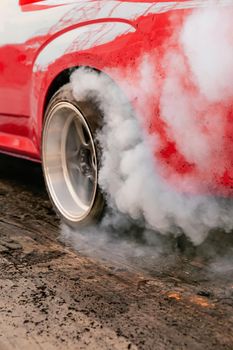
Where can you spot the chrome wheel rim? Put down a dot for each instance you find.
(69, 161)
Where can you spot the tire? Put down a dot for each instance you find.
(71, 158)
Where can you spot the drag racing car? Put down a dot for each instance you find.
(154, 52)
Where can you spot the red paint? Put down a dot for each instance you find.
(23, 92)
(26, 2)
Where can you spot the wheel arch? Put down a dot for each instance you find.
(46, 84)
(43, 87)
(61, 79)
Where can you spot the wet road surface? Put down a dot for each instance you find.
(63, 296)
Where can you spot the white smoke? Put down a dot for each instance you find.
(195, 119)
(207, 38)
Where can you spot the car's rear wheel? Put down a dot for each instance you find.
(70, 158)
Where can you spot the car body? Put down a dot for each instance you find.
(42, 41)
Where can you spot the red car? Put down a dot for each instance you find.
(161, 55)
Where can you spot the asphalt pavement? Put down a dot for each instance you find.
(60, 291)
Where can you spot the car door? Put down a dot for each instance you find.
(23, 29)
(15, 68)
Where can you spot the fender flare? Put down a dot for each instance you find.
(80, 38)
(67, 51)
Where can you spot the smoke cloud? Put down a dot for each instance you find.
(194, 97)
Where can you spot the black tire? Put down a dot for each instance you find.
(76, 204)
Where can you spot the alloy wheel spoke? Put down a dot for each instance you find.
(93, 162)
(75, 166)
(81, 140)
